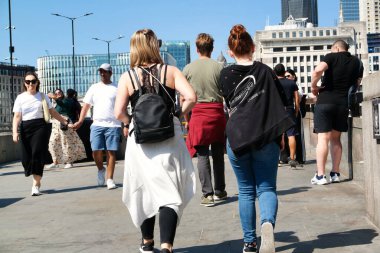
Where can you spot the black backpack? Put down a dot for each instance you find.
(152, 119)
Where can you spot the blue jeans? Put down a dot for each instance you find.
(256, 174)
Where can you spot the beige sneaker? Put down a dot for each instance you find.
(207, 201)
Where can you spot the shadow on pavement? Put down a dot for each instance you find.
(11, 173)
(54, 191)
(326, 241)
(7, 202)
(293, 190)
(227, 201)
(227, 246)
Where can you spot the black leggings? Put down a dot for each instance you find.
(168, 226)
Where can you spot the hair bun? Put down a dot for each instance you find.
(237, 30)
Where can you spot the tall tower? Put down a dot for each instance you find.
(370, 12)
(349, 10)
(300, 9)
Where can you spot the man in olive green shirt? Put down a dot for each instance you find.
(207, 123)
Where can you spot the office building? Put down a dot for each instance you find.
(349, 10)
(57, 72)
(7, 94)
(300, 9)
(369, 13)
(301, 47)
(180, 50)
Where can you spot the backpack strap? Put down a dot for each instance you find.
(137, 81)
(166, 70)
(130, 76)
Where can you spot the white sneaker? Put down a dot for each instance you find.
(101, 178)
(317, 181)
(68, 166)
(36, 191)
(334, 177)
(110, 184)
(52, 166)
(267, 238)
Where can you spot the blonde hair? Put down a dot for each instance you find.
(144, 48)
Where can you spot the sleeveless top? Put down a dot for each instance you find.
(151, 85)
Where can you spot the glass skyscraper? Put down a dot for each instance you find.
(300, 9)
(57, 72)
(180, 50)
(349, 10)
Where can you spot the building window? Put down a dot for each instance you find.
(301, 58)
(308, 69)
(301, 34)
(302, 79)
(281, 59)
(305, 48)
(290, 49)
(307, 33)
(318, 47)
(294, 34)
(287, 34)
(274, 59)
(334, 32)
(302, 69)
(320, 32)
(308, 58)
(278, 49)
(273, 35)
(294, 58)
(287, 59)
(315, 58)
(329, 46)
(327, 32)
(295, 68)
(309, 79)
(280, 34)
(314, 33)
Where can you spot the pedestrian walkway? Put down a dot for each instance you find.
(74, 215)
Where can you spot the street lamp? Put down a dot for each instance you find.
(108, 45)
(72, 36)
(11, 49)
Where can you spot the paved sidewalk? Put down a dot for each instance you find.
(74, 215)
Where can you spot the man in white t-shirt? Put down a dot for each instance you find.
(105, 129)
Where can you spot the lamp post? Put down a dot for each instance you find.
(108, 45)
(11, 49)
(72, 36)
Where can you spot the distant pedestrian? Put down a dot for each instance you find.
(292, 108)
(159, 177)
(300, 140)
(207, 122)
(105, 129)
(31, 128)
(74, 95)
(341, 71)
(257, 120)
(65, 146)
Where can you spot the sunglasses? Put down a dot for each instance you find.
(34, 81)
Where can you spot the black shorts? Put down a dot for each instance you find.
(328, 117)
(293, 131)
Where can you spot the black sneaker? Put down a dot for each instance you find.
(293, 163)
(250, 247)
(147, 247)
(165, 251)
(221, 196)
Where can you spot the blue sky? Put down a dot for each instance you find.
(38, 33)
